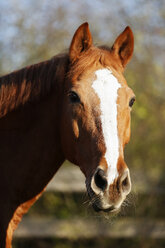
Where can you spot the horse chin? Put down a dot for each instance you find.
(110, 209)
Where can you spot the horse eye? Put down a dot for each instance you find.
(74, 98)
(131, 102)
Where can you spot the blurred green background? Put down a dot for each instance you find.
(32, 31)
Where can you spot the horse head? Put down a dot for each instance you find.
(96, 111)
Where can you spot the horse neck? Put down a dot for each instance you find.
(32, 125)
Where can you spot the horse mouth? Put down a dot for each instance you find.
(97, 208)
(97, 204)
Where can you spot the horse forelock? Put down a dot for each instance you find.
(93, 59)
(31, 83)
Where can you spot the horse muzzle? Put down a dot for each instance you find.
(105, 197)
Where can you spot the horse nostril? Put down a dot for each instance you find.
(125, 182)
(100, 179)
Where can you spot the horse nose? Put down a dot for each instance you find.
(124, 183)
(100, 179)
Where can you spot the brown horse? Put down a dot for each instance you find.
(75, 106)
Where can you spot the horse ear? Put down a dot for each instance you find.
(82, 41)
(123, 46)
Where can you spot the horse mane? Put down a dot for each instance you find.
(31, 83)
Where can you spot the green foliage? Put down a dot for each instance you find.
(146, 149)
(61, 205)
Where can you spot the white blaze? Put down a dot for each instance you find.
(106, 87)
